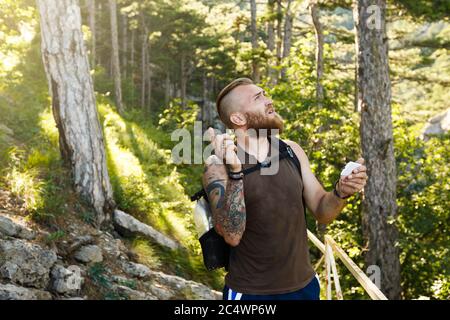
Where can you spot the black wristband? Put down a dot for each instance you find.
(337, 194)
(236, 175)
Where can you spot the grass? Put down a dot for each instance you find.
(145, 182)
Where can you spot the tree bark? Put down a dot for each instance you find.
(91, 18)
(287, 36)
(115, 57)
(374, 100)
(271, 42)
(144, 66)
(313, 7)
(124, 44)
(167, 88)
(254, 31)
(73, 103)
(149, 80)
(183, 80)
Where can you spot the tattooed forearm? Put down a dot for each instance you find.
(233, 216)
(214, 181)
(226, 198)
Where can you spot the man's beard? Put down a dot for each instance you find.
(265, 124)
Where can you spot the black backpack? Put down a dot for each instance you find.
(216, 252)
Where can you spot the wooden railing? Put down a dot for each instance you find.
(328, 249)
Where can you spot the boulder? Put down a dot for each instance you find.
(12, 292)
(131, 294)
(128, 225)
(437, 125)
(12, 229)
(136, 269)
(25, 263)
(180, 286)
(89, 254)
(66, 281)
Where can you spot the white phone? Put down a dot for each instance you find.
(349, 167)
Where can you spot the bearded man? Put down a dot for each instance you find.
(261, 216)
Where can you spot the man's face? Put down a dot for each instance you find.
(258, 108)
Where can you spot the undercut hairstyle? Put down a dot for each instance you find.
(224, 107)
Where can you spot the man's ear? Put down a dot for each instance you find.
(238, 119)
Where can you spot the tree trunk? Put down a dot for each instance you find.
(144, 66)
(287, 36)
(73, 102)
(115, 57)
(255, 67)
(271, 42)
(183, 80)
(374, 100)
(167, 88)
(124, 45)
(149, 81)
(313, 7)
(132, 53)
(91, 14)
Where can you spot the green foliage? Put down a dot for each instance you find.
(55, 236)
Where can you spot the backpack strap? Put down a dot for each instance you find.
(285, 152)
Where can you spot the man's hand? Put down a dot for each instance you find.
(225, 150)
(354, 182)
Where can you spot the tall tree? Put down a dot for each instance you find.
(254, 32)
(313, 9)
(374, 101)
(73, 103)
(287, 36)
(279, 33)
(91, 18)
(115, 57)
(271, 40)
(144, 66)
(124, 44)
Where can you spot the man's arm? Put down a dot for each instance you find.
(226, 197)
(326, 206)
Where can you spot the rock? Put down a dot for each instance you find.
(12, 229)
(161, 292)
(439, 124)
(26, 264)
(78, 242)
(66, 280)
(12, 292)
(136, 270)
(128, 225)
(89, 254)
(132, 294)
(189, 289)
(112, 247)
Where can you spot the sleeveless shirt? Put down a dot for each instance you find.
(273, 254)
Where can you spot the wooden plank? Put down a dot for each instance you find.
(316, 242)
(365, 282)
(328, 250)
(337, 284)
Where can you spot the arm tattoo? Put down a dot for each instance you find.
(217, 189)
(233, 216)
(226, 198)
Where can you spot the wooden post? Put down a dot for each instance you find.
(337, 284)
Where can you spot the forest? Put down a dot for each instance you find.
(92, 90)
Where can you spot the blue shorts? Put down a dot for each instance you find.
(310, 292)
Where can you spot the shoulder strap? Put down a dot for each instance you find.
(285, 152)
